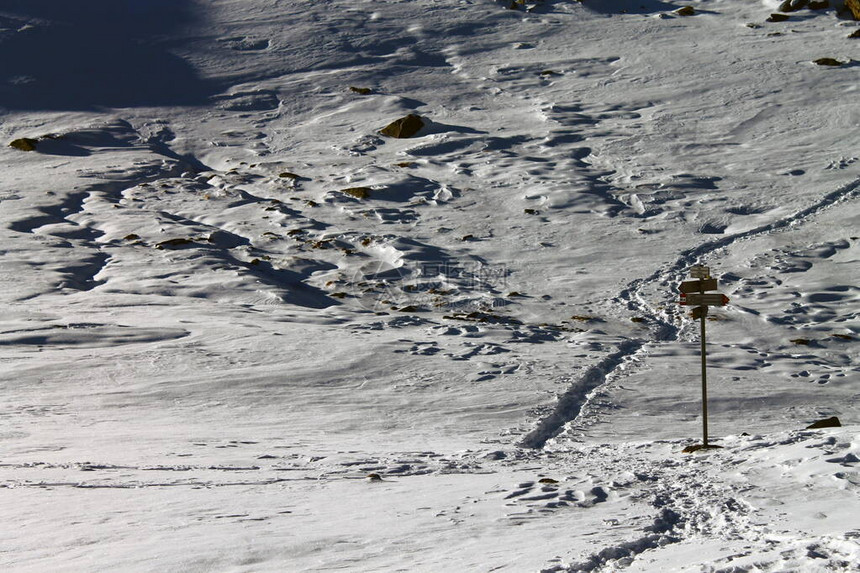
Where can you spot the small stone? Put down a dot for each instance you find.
(357, 192)
(288, 175)
(855, 34)
(828, 62)
(404, 127)
(778, 18)
(374, 477)
(814, 5)
(169, 243)
(792, 5)
(360, 91)
(685, 11)
(24, 144)
(832, 422)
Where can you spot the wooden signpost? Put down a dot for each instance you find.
(693, 293)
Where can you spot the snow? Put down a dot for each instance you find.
(208, 346)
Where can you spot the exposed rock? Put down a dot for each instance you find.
(361, 91)
(169, 243)
(792, 5)
(819, 5)
(403, 127)
(24, 144)
(685, 11)
(831, 422)
(778, 18)
(828, 62)
(853, 6)
(357, 192)
(855, 34)
(697, 447)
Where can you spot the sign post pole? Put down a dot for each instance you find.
(693, 294)
(704, 386)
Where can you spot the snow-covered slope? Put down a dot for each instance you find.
(228, 299)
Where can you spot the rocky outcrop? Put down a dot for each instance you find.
(404, 127)
(24, 144)
(832, 422)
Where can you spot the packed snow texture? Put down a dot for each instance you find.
(244, 330)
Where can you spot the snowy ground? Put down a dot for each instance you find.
(208, 345)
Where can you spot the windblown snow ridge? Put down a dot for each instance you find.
(570, 403)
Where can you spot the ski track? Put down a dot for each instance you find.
(577, 396)
(571, 402)
(674, 273)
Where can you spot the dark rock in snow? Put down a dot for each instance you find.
(832, 422)
(855, 34)
(828, 62)
(792, 5)
(685, 11)
(357, 192)
(171, 243)
(815, 5)
(360, 91)
(403, 127)
(24, 144)
(853, 6)
(778, 18)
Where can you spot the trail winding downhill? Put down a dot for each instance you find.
(572, 403)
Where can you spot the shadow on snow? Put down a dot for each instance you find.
(73, 55)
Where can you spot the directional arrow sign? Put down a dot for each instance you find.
(709, 299)
(698, 286)
(700, 272)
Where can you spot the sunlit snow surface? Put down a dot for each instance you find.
(207, 346)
